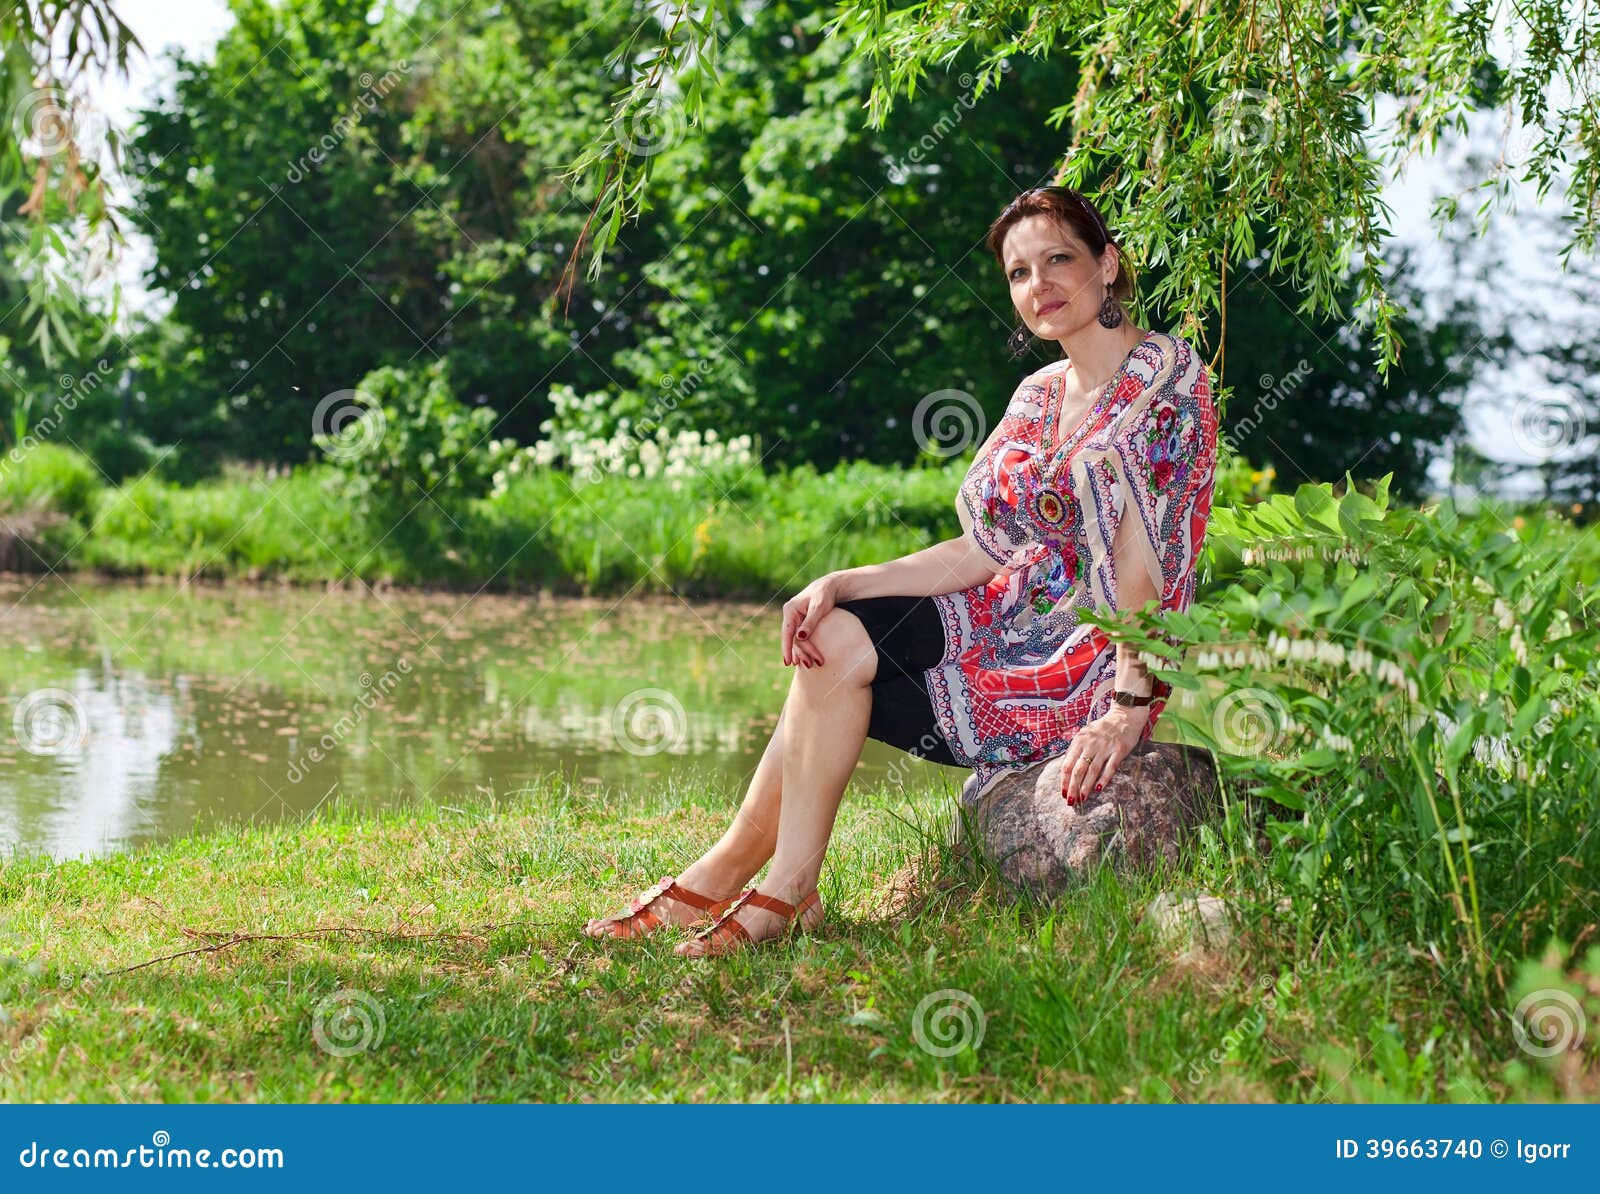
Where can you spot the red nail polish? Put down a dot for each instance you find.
(801, 634)
(1097, 787)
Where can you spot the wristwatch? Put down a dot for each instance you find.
(1158, 690)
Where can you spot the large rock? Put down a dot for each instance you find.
(1042, 846)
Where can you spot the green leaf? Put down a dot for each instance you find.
(1461, 739)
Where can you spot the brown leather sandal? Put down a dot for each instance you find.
(641, 918)
(725, 935)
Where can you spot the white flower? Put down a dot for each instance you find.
(1502, 611)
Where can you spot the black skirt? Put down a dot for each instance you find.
(908, 635)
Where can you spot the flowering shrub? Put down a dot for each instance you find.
(1419, 689)
(571, 442)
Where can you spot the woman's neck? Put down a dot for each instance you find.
(1096, 361)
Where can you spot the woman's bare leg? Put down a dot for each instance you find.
(825, 726)
(745, 845)
(748, 842)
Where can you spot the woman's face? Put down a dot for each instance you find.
(1057, 285)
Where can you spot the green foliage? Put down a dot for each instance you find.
(1418, 690)
(55, 150)
(245, 525)
(408, 448)
(804, 280)
(1206, 151)
(269, 192)
(696, 534)
(48, 477)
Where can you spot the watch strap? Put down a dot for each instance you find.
(1159, 690)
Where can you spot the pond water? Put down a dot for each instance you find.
(138, 712)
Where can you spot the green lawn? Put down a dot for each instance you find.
(434, 954)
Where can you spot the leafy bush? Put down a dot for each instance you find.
(1419, 690)
(48, 477)
(121, 452)
(407, 448)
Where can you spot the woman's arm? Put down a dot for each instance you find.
(945, 567)
(1135, 589)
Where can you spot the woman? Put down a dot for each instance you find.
(1092, 492)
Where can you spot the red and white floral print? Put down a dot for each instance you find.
(1020, 674)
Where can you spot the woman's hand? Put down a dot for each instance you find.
(801, 613)
(1099, 748)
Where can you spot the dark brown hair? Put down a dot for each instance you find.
(1069, 208)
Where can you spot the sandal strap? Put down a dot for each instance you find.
(640, 914)
(789, 912)
(725, 932)
(691, 897)
(772, 904)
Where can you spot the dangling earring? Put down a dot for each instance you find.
(1018, 343)
(1110, 311)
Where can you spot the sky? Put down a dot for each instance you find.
(1527, 286)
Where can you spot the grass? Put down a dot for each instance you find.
(729, 536)
(455, 928)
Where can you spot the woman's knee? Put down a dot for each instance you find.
(846, 646)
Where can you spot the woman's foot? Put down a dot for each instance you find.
(755, 917)
(699, 895)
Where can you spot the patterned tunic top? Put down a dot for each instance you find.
(1044, 498)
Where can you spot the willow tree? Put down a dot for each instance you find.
(56, 215)
(1197, 123)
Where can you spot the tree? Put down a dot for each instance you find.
(56, 149)
(805, 280)
(1197, 126)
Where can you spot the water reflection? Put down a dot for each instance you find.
(199, 705)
